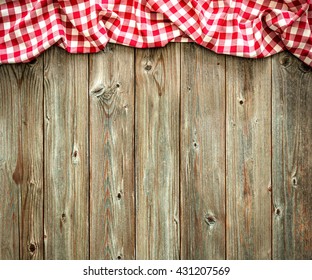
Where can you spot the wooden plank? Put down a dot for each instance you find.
(248, 158)
(66, 156)
(9, 153)
(157, 152)
(21, 161)
(112, 153)
(202, 154)
(292, 158)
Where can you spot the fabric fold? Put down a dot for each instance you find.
(243, 28)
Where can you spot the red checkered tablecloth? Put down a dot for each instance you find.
(236, 27)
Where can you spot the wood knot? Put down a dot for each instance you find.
(104, 94)
(63, 218)
(126, 108)
(119, 195)
(119, 257)
(32, 248)
(285, 60)
(98, 91)
(241, 102)
(75, 156)
(278, 212)
(148, 67)
(294, 182)
(210, 220)
(270, 187)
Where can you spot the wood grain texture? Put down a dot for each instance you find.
(292, 158)
(202, 154)
(248, 158)
(66, 155)
(157, 152)
(161, 153)
(112, 232)
(21, 161)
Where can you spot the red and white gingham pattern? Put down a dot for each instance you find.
(255, 28)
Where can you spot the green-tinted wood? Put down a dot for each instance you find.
(21, 161)
(248, 158)
(202, 154)
(157, 152)
(292, 158)
(66, 175)
(112, 153)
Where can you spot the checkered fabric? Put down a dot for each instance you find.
(255, 28)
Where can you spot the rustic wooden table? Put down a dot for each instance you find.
(155, 154)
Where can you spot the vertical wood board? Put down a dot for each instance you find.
(202, 154)
(157, 152)
(248, 158)
(66, 176)
(112, 195)
(292, 158)
(21, 161)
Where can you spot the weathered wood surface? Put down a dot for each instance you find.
(202, 154)
(66, 172)
(21, 161)
(155, 154)
(292, 158)
(248, 158)
(112, 232)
